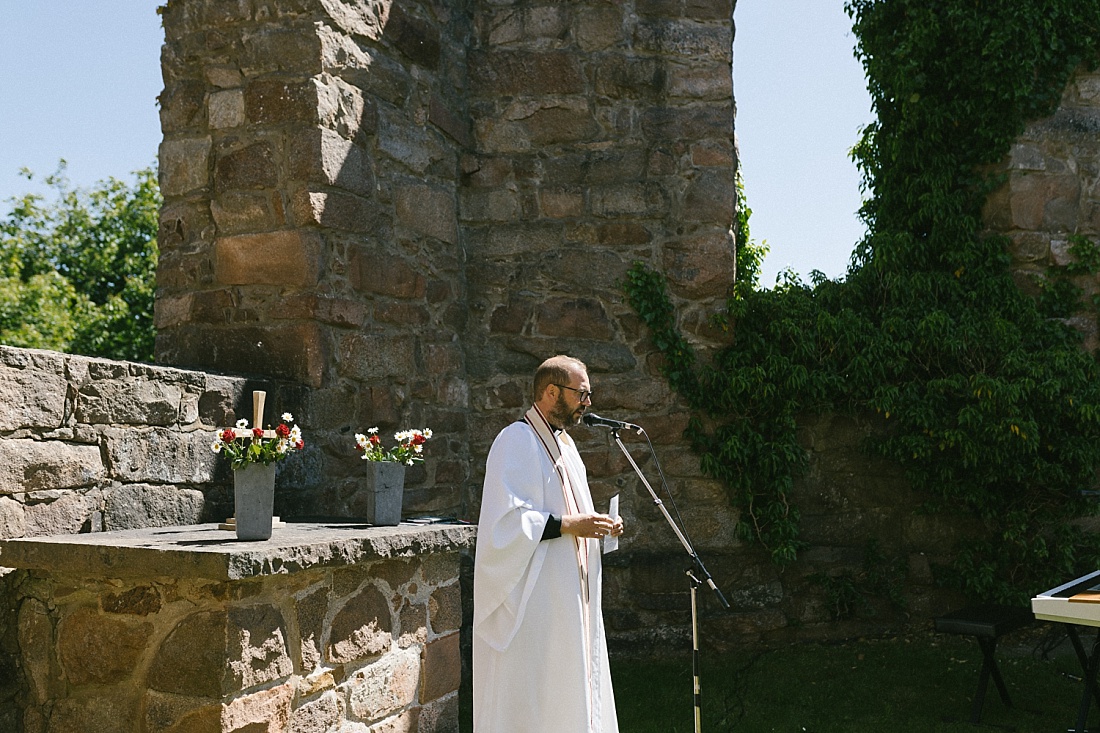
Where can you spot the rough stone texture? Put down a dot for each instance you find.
(91, 444)
(1051, 193)
(145, 640)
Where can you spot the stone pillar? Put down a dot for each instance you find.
(1052, 193)
(603, 134)
(309, 228)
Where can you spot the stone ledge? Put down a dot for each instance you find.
(204, 551)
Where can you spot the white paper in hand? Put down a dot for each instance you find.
(610, 544)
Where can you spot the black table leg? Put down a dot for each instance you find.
(1089, 664)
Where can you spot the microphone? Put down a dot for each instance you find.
(593, 420)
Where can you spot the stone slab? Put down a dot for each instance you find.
(204, 551)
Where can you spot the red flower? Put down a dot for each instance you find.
(418, 439)
(282, 430)
(228, 436)
(299, 445)
(375, 440)
(257, 432)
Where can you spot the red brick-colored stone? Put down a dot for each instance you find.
(441, 668)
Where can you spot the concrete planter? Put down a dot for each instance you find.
(383, 487)
(253, 500)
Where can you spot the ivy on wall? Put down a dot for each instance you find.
(987, 399)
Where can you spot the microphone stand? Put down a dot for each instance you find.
(693, 573)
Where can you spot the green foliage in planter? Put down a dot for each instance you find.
(986, 398)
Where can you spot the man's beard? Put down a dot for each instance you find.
(561, 415)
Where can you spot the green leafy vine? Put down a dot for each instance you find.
(986, 398)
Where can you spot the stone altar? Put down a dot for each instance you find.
(186, 629)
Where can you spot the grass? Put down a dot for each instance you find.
(922, 683)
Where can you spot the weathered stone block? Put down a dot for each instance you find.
(100, 714)
(710, 198)
(32, 398)
(377, 357)
(598, 28)
(69, 513)
(631, 77)
(427, 210)
(238, 212)
(443, 114)
(140, 505)
(385, 686)
(275, 258)
(169, 713)
(129, 401)
(416, 38)
(36, 644)
(343, 109)
(701, 265)
(507, 73)
(184, 165)
(12, 521)
(258, 650)
(362, 628)
(266, 711)
(414, 146)
(270, 101)
(356, 18)
(445, 609)
(691, 123)
(338, 210)
(98, 649)
(441, 668)
(31, 465)
(189, 662)
(225, 109)
(140, 600)
(685, 39)
(549, 122)
(323, 156)
(159, 455)
(181, 105)
(573, 316)
(295, 351)
(250, 167)
(318, 716)
(628, 199)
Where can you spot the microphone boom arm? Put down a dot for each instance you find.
(668, 518)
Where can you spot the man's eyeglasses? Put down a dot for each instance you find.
(582, 394)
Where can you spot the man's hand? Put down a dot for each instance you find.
(591, 525)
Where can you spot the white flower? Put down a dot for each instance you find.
(427, 432)
(242, 424)
(360, 439)
(281, 446)
(217, 446)
(418, 448)
(372, 431)
(287, 417)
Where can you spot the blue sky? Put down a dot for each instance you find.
(79, 81)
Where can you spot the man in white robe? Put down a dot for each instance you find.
(539, 651)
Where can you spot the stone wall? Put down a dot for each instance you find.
(92, 444)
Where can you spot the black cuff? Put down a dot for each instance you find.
(552, 530)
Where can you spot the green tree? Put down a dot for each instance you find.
(77, 272)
